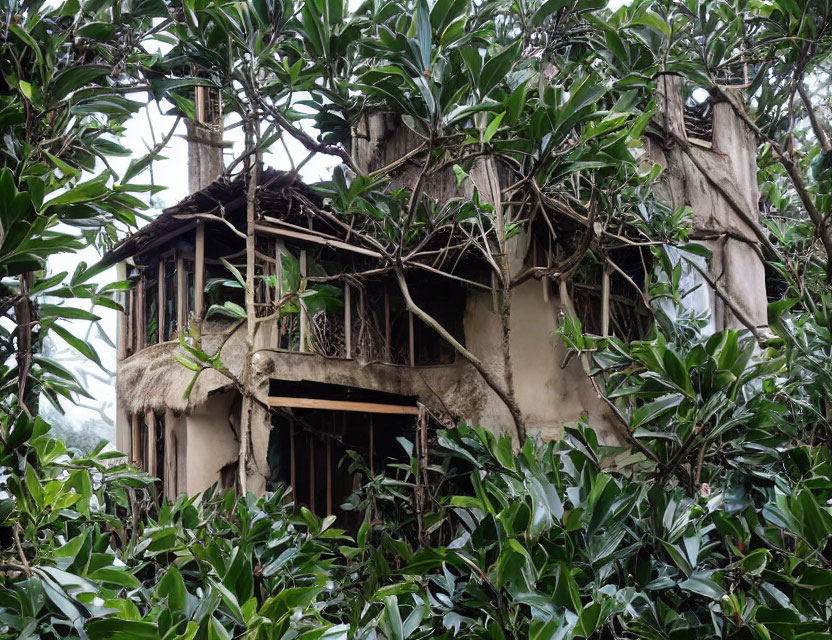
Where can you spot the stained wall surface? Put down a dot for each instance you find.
(211, 442)
(718, 181)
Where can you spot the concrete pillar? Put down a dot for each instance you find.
(711, 177)
(204, 137)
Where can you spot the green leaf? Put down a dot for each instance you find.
(25, 88)
(122, 629)
(68, 170)
(84, 348)
(115, 576)
(74, 78)
(91, 190)
(676, 371)
(547, 9)
(72, 313)
(701, 583)
(496, 68)
(21, 33)
(172, 587)
(492, 127)
(654, 20)
(653, 410)
(425, 33)
(235, 272)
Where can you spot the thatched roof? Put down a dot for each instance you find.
(281, 195)
(153, 380)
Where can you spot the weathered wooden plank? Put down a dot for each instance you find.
(342, 405)
(199, 271)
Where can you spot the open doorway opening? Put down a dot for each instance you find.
(313, 427)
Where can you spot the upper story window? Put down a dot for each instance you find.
(698, 113)
(303, 299)
(160, 303)
(313, 308)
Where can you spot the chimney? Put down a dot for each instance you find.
(204, 135)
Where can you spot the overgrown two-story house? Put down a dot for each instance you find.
(345, 365)
(345, 369)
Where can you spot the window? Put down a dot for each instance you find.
(308, 451)
(383, 330)
(155, 307)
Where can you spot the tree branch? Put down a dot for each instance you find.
(475, 362)
(823, 139)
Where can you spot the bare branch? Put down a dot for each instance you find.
(475, 362)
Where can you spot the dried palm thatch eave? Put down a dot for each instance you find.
(152, 380)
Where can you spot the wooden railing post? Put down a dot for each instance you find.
(304, 317)
(181, 317)
(160, 331)
(199, 271)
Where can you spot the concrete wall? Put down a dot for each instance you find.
(716, 180)
(211, 443)
(549, 396)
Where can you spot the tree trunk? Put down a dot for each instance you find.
(252, 164)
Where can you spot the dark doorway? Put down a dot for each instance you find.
(308, 452)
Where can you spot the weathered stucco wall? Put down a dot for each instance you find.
(176, 454)
(212, 444)
(719, 183)
(549, 396)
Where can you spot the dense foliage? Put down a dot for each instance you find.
(714, 523)
(66, 80)
(560, 540)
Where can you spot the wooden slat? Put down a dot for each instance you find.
(123, 316)
(278, 290)
(141, 329)
(387, 331)
(546, 283)
(328, 475)
(160, 330)
(158, 242)
(336, 244)
(150, 453)
(292, 464)
(199, 104)
(411, 343)
(605, 302)
(199, 271)
(348, 320)
(304, 316)
(131, 321)
(181, 316)
(135, 445)
(342, 405)
(311, 448)
(373, 444)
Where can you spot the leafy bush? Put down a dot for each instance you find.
(558, 540)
